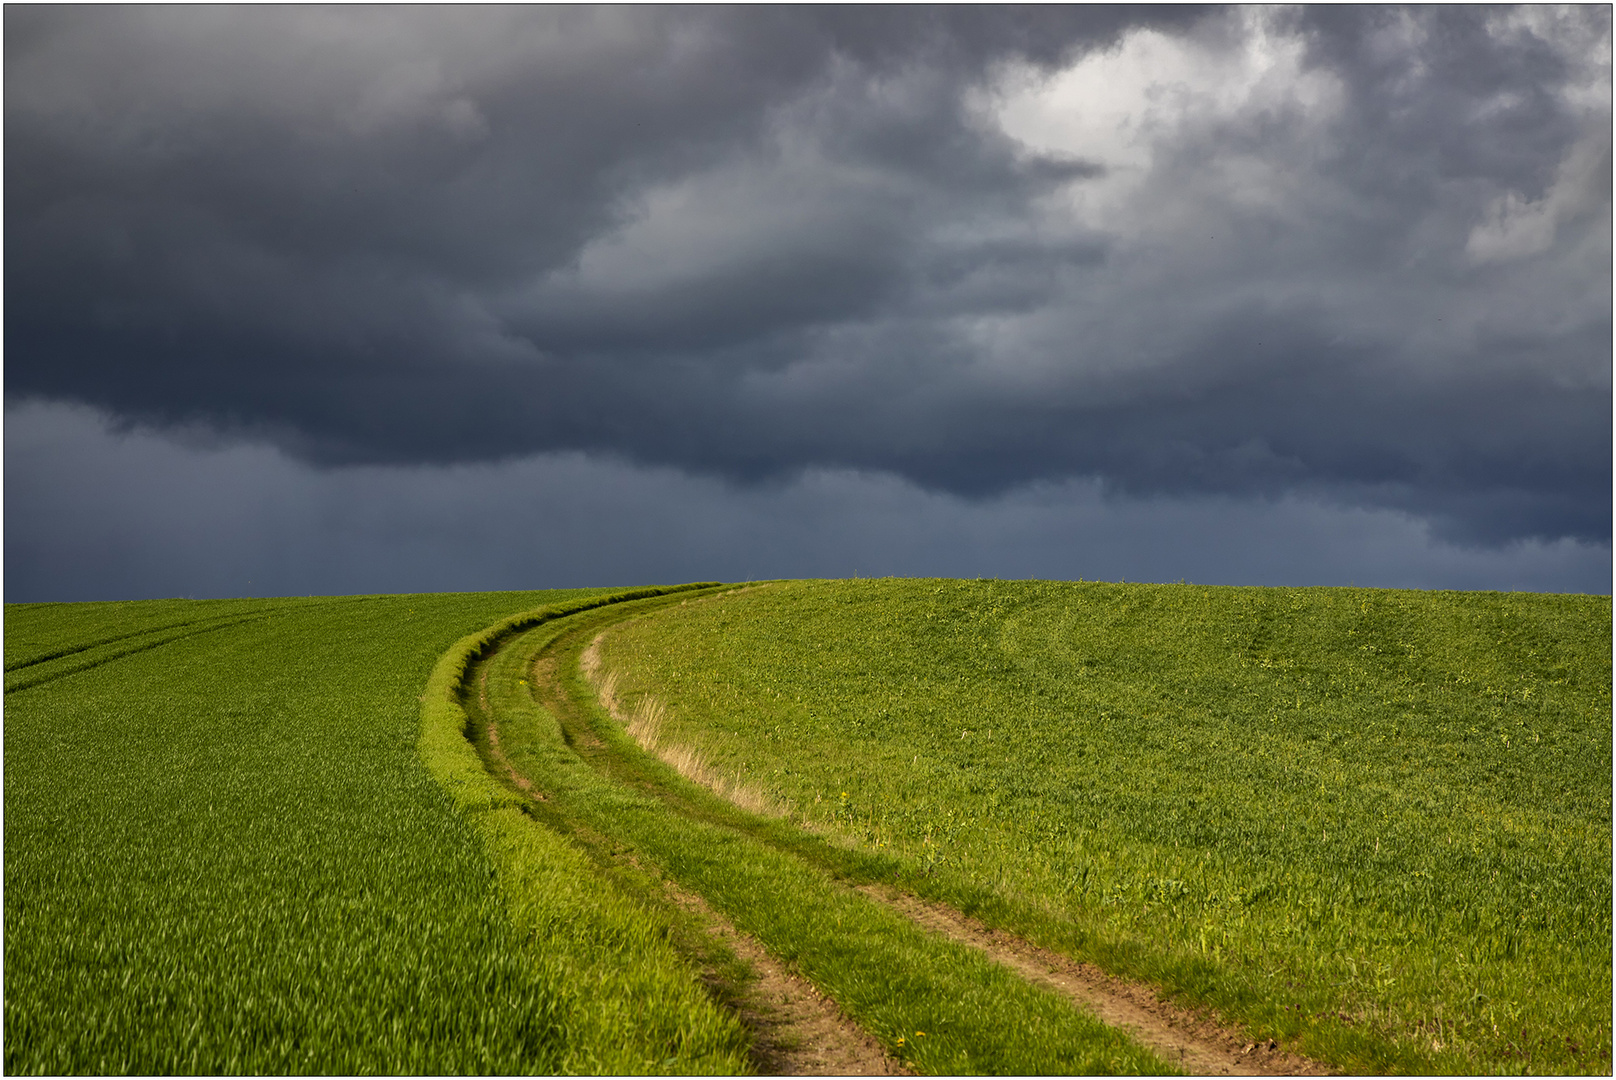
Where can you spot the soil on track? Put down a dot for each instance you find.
(797, 1031)
(1198, 1045)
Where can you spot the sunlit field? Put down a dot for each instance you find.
(495, 832)
(1377, 822)
(224, 854)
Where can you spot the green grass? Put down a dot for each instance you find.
(1374, 824)
(252, 836)
(223, 853)
(46, 642)
(895, 979)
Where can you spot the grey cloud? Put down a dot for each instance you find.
(99, 514)
(1445, 91)
(759, 242)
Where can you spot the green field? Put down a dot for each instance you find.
(1375, 824)
(286, 835)
(224, 854)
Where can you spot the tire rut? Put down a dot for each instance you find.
(797, 1031)
(24, 678)
(495, 753)
(1197, 1044)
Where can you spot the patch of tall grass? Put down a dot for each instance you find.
(1373, 824)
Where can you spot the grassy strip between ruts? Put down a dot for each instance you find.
(935, 1004)
(1374, 824)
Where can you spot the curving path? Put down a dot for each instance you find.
(576, 757)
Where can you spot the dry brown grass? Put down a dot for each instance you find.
(644, 723)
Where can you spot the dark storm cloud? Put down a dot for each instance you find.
(1350, 254)
(98, 515)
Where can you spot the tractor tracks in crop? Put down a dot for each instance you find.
(39, 671)
(797, 1029)
(84, 646)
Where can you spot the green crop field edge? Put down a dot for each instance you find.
(640, 1010)
(449, 755)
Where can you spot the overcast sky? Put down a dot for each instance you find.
(368, 299)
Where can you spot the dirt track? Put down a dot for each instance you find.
(796, 1030)
(799, 1031)
(1199, 1046)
